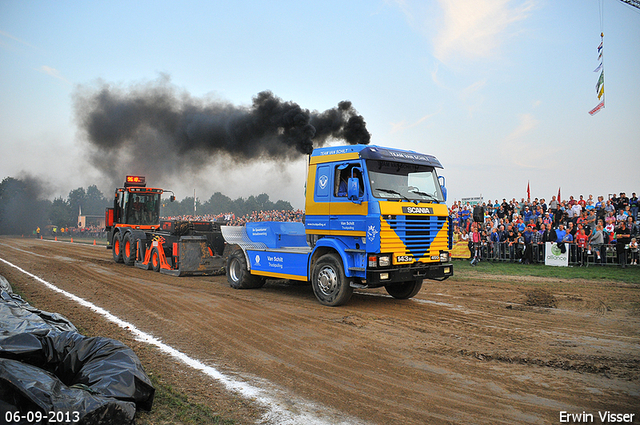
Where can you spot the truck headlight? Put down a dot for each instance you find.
(384, 260)
(444, 256)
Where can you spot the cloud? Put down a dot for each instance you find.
(54, 73)
(7, 35)
(468, 29)
(527, 123)
(402, 125)
(518, 149)
(475, 28)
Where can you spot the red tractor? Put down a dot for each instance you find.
(138, 237)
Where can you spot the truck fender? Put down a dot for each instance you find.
(324, 246)
(230, 247)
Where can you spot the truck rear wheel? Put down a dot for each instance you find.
(330, 285)
(128, 249)
(117, 247)
(238, 274)
(404, 290)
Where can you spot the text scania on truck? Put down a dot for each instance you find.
(374, 217)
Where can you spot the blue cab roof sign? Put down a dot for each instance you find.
(380, 153)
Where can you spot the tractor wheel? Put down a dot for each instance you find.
(128, 249)
(404, 290)
(238, 275)
(330, 285)
(117, 248)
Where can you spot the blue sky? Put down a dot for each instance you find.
(499, 91)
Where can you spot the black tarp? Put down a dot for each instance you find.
(47, 366)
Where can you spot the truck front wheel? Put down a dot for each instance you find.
(404, 290)
(330, 285)
(238, 274)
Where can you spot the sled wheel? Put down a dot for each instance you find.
(155, 259)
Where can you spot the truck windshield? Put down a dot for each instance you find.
(399, 180)
(142, 208)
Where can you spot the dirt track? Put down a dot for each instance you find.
(462, 351)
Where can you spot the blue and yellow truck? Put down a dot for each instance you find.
(374, 216)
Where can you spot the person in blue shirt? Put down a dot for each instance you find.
(567, 240)
(495, 243)
(560, 232)
(528, 215)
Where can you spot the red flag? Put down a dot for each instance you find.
(558, 194)
(597, 108)
(528, 192)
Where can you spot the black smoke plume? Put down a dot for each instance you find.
(155, 126)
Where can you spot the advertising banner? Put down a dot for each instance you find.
(553, 255)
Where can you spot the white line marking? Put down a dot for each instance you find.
(278, 406)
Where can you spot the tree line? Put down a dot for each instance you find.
(24, 206)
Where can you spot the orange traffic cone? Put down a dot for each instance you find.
(94, 241)
(55, 239)
(71, 240)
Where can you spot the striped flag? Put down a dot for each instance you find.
(597, 108)
(599, 83)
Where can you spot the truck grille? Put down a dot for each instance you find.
(417, 235)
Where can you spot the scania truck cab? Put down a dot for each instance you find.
(374, 217)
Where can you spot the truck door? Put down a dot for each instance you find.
(319, 200)
(348, 216)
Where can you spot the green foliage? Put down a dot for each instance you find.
(61, 213)
(24, 206)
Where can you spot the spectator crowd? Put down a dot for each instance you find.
(230, 219)
(517, 231)
(510, 230)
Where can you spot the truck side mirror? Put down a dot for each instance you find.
(353, 190)
(444, 189)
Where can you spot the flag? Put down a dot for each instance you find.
(600, 47)
(528, 191)
(597, 108)
(598, 68)
(600, 81)
(559, 195)
(601, 93)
